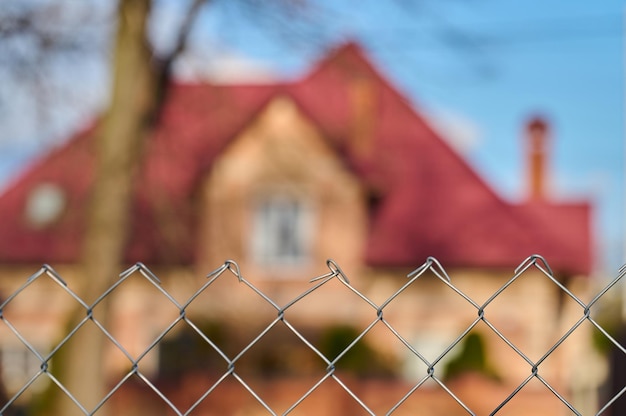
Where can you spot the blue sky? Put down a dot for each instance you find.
(480, 67)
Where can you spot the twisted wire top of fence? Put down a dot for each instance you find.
(233, 361)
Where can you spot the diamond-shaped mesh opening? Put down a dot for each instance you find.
(183, 350)
(474, 352)
(329, 302)
(135, 312)
(364, 359)
(38, 312)
(568, 307)
(280, 353)
(533, 329)
(281, 358)
(224, 298)
(506, 365)
(429, 314)
(182, 283)
(81, 351)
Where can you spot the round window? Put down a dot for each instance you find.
(45, 204)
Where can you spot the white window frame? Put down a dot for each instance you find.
(19, 365)
(281, 231)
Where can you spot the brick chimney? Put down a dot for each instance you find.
(537, 133)
(363, 108)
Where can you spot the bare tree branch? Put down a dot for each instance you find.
(165, 64)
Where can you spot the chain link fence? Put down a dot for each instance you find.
(230, 369)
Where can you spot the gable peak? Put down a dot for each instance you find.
(349, 57)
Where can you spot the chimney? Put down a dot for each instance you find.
(537, 142)
(363, 108)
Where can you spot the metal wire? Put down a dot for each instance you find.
(233, 362)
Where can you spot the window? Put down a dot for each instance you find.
(45, 204)
(18, 366)
(281, 231)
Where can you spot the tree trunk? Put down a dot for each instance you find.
(118, 145)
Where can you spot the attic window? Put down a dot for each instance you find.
(281, 231)
(45, 204)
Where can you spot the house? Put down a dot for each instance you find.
(280, 177)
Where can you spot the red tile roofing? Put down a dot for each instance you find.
(431, 202)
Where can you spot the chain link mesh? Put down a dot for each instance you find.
(233, 362)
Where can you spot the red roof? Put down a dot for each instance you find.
(430, 202)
